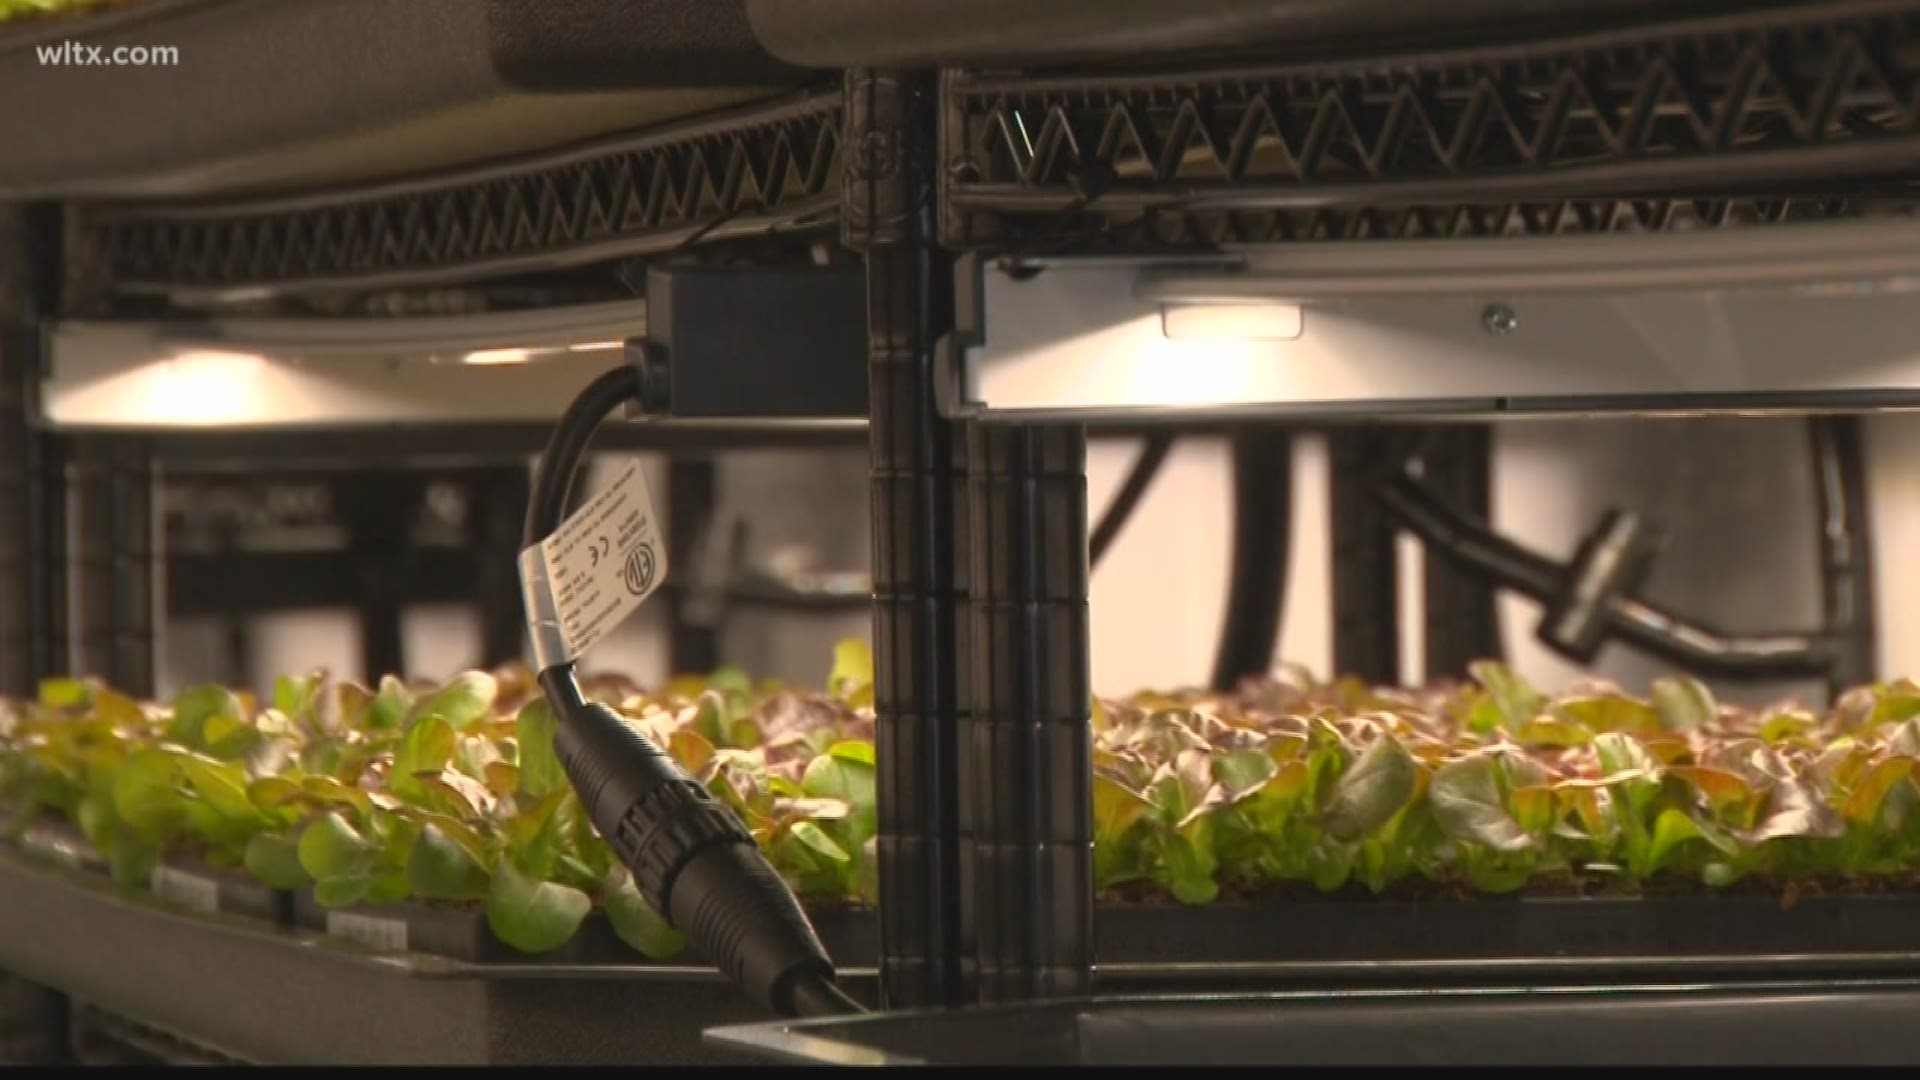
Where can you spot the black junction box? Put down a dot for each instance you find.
(738, 342)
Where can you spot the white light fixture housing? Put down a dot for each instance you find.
(1756, 319)
(289, 373)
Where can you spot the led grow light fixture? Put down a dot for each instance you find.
(249, 372)
(1785, 317)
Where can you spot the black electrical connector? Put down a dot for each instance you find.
(689, 855)
(1610, 565)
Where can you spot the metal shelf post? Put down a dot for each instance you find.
(917, 475)
(32, 470)
(1026, 753)
(115, 552)
(1366, 614)
(1461, 621)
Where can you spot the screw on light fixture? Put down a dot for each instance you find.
(1499, 319)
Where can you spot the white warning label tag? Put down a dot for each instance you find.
(594, 570)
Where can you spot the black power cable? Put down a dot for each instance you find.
(1506, 564)
(689, 855)
(1114, 518)
(1262, 516)
(1846, 548)
(1262, 523)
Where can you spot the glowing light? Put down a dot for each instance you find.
(1231, 321)
(203, 387)
(498, 356)
(521, 355)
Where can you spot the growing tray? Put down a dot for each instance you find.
(183, 883)
(1163, 947)
(53, 840)
(460, 932)
(1539, 939)
(220, 962)
(246, 989)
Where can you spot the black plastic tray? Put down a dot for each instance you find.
(54, 840)
(1161, 948)
(1780, 1023)
(204, 889)
(1149, 946)
(460, 932)
(1156, 947)
(1362, 942)
(457, 932)
(1574, 935)
(224, 979)
(246, 989)
(178, 882)
(285, 94)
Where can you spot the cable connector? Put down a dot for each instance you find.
(694, 862)
(689, 855)
(1611, 564)
(668, 826)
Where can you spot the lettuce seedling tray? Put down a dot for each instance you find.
(179, 880)
(193, 886)
(460, 932)
(1783, 1022)
(1157, 947)
(252, 990)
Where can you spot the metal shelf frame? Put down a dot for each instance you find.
(33, 617)
(1733, 124)
(1711, 121)
(763, 169)
(1252, 180)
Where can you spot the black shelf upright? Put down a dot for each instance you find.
(114, 547)
(694, 636)
(496, 498)
(375, 514)
(980, 621)
(1026, 750)
(918, 463)
(1846, 550)
(1462, 623)
(32, 464)
(1366, 570)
